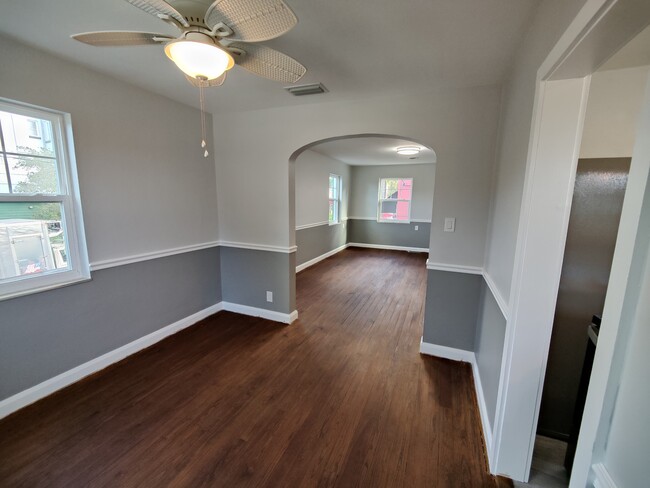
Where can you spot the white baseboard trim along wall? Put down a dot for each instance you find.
(467, 357)
(47, 387)
(285, 318)
(318, 259)
(390, 248)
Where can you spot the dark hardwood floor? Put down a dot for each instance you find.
(340, 398)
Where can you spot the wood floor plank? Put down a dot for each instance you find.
(340, 398)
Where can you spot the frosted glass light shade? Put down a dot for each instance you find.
(408, 150)
(199, 59)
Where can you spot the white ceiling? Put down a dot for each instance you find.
(633, 54)
(373, 151)
(357, 48)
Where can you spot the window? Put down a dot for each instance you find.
(395, 200)
(42, 243)
(334, 198)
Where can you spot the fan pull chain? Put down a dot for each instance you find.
(202, 102)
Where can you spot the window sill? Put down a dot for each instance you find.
(67, 279)
(393, 221)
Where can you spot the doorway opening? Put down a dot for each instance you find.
(363, 190)
(616, 95)
(555, 148)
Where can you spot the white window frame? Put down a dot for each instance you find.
(69, 198)
(336, 200)
(381, 200)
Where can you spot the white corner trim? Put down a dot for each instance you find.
(454, 268)
(318, 259)
(315, 224)
(136, 258)
(501, 302)
(47, 387)
(285, 318)
(468, 357)
(259, 247)
(602, 477)
(391, 248)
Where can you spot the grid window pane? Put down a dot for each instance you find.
(334, 196)
(395, 199)
(27, 135)
(32, 239)
(33, 175)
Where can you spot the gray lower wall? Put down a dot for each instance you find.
(488, 346)
(316, 241)
(389, 234)
(451, 309)
(45, 334)
(247, 274)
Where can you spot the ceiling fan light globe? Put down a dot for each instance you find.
(199, 60)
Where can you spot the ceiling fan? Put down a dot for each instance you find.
(215, 35)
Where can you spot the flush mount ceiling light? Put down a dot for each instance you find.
(198, 56)
(408, 150)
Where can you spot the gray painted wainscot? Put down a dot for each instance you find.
(367, 231)
(49, 333)
(320, 240)
(465, 320)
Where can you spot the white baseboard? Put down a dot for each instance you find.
(390, 248)
(446, 352)
(318, 259)
(468, 357)
(485, 418)
(285, 318)
(31, 395)
(602, 477)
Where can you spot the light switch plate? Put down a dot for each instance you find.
(450, 224)
(269, 296)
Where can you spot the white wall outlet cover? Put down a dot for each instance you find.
(416, 227)
(450, 224)
(269, 296)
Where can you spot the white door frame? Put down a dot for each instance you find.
(559, 110)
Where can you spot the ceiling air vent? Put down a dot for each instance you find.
(311, 89)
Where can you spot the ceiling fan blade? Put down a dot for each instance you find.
(121, 38)
(266, 62)
(158, 8)
(252, 20)
(205, 84)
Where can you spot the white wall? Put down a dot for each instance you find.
(459, 124)
(551, 20)
(145, 185)
(312, 180)
(613, 110)
(365, 181)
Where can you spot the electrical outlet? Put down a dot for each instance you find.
(269, 296)
(416, 227)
